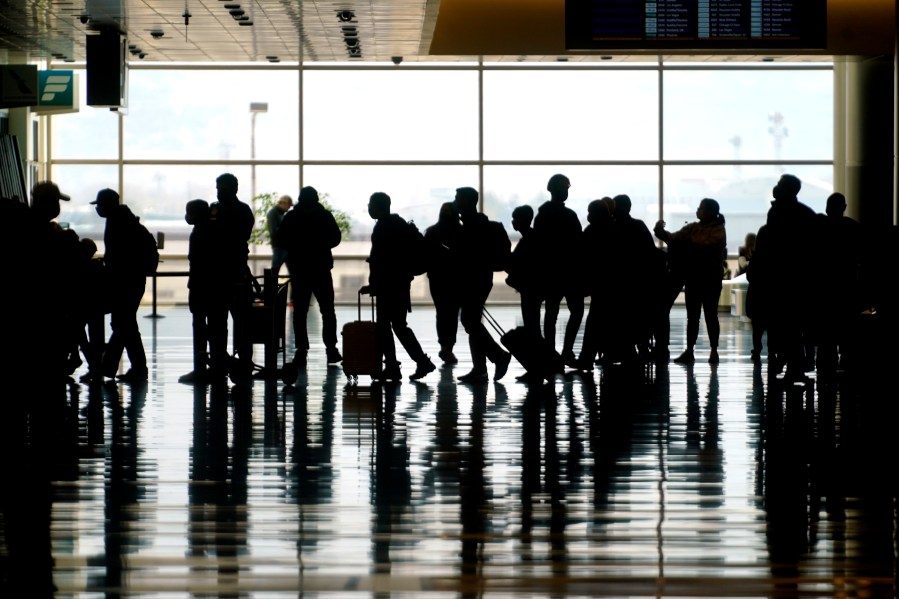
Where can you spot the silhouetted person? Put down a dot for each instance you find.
(200, 285)
(274, 217)
(127, 282)
(60, 259)
(558, 233)
(598, 253)
(231, 224)
(781, 252)
(523, 264)
(744, 253)
(629, 299)
(758, 301)
(390, 279)
(840, 258)
(703, 246)
(483, 246)
(442, 240)
(309, 232)
(91, 308)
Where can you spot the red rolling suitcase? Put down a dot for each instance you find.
(360, 346)
(532, 351)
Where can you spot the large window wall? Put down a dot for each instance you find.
(665, 134)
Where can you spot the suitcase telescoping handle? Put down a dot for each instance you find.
(493, 322)
(359, 305)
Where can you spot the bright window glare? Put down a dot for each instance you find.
(667, 138)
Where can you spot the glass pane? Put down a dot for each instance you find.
(158, 193)
(416, 193)
(571, 115)
(748, 115)
(182, 114)
(82, 182)
(390, 115)
(744, 194)
(510, 186)
(90, 133)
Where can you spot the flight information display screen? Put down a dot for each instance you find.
(696, 24)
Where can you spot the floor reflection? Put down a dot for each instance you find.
(669, 480)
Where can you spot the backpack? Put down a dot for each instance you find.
(147, 252)
(416, 251)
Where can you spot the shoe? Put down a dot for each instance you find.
(422, 370)
(334, 356)
(661, 356)
(193, 377)
(582, 365)
(502, 366)
(134, 376)
(713, 357)
(299, 359)
(685, 358)
(474, 377)
(569, 359)
(529, 377)
(448, 356)
(755, 357)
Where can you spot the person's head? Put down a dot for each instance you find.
(522, 217)
(558, 187)
(448, 214)
(378, 205)
(45, 198)
(466, 202)
(87, 247)
(107, 201)
(226, 187)
(836, 205)
(749, 241)
(284, 203)
(787, 188)
(622, 205)
(708, 211)
(196, 211)
(308, 198)
(599, 211)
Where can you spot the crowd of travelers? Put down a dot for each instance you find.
(629, 275)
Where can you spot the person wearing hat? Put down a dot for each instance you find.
(123, 254)
(58, 255)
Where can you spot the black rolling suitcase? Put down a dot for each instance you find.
(533, 352)
(360, 346)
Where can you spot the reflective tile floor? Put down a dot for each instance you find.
(702, 481)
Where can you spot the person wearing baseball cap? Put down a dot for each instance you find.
(45, 198)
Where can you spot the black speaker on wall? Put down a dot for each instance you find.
(106, 76)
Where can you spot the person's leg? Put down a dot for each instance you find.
(530, 312)
(711, 294)
(575, 303)
(590, 345)
(134, 345)
(383, 311)
(550, 315)
(302, 295)
(324, 294)
(472, 312)
(693, 300)
(241, 303)
(217, 333)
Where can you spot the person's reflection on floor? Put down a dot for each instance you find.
(474, 497)
(391, 491)
(310, 477)
(26, 564)
(124, 489)
(785, 475)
